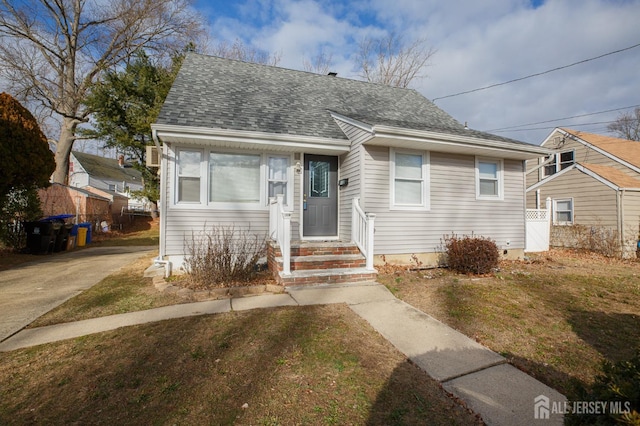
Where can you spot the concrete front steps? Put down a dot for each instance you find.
(323, 262)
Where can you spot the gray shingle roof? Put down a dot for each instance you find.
(219, 93)
(107, 168)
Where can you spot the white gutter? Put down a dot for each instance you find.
(300, 142)
(446, 138)
(162, 206)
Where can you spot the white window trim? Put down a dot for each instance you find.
(555, 210)
(203, 194)
(290, 175)
(500, 171)
(205, 204)
(558, 166)
(426, 180)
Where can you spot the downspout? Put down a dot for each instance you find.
(162, 206)
(621, 193)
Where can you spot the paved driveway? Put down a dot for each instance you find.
(33, 289)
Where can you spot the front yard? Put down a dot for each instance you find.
(556, 316)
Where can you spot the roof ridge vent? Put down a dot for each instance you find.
(332, 73)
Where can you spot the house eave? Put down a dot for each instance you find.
(238, 139)
(595, 148)
(458, 144)
(550, 178)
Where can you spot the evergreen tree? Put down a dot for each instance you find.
(125, 103)
(25, 158)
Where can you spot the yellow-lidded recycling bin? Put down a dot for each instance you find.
(82, 237)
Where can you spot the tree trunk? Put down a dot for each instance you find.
(63, 149)
(154, 209)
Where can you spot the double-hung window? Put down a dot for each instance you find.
(277, 176)
(189, 162)
(563, 211)
(409, 180)
(489, 180)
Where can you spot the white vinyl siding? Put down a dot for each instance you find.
(183, 220)
(351, 166)
(453, 208)
(409, 181)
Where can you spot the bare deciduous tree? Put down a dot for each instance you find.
(52, 52)
(389, 61)
(627, 126)
(241, 52)
(320, 64)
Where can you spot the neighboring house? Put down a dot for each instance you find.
(234, 134)
(114, 178)
(59, 199)
(592, 180)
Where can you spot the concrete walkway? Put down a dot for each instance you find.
(32, 289)
(500, 393)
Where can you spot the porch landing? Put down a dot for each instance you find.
(320, 262)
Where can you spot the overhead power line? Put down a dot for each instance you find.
(563, 118)
(537, 74)
(553, 127)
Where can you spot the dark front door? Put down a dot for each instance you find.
(320, 198)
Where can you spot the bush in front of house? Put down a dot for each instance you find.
(619, 387)
(220, 255)
(471, 254)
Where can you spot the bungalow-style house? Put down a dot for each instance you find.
(594, 182)
(301, 157)
(110, 178)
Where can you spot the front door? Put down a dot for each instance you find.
(320, 198)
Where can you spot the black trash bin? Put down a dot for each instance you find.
(62, 237)
(57, 230)
(40, 237)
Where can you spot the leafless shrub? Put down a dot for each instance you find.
(596, 238)
(471, 254)
(222, 255)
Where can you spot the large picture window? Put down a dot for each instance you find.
(234, 178)
(230, 180)
(489, 182)
(409, 180)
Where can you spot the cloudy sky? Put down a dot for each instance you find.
(478, 43)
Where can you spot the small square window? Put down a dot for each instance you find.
(563, 212)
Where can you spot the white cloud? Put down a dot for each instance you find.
(478, 44)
